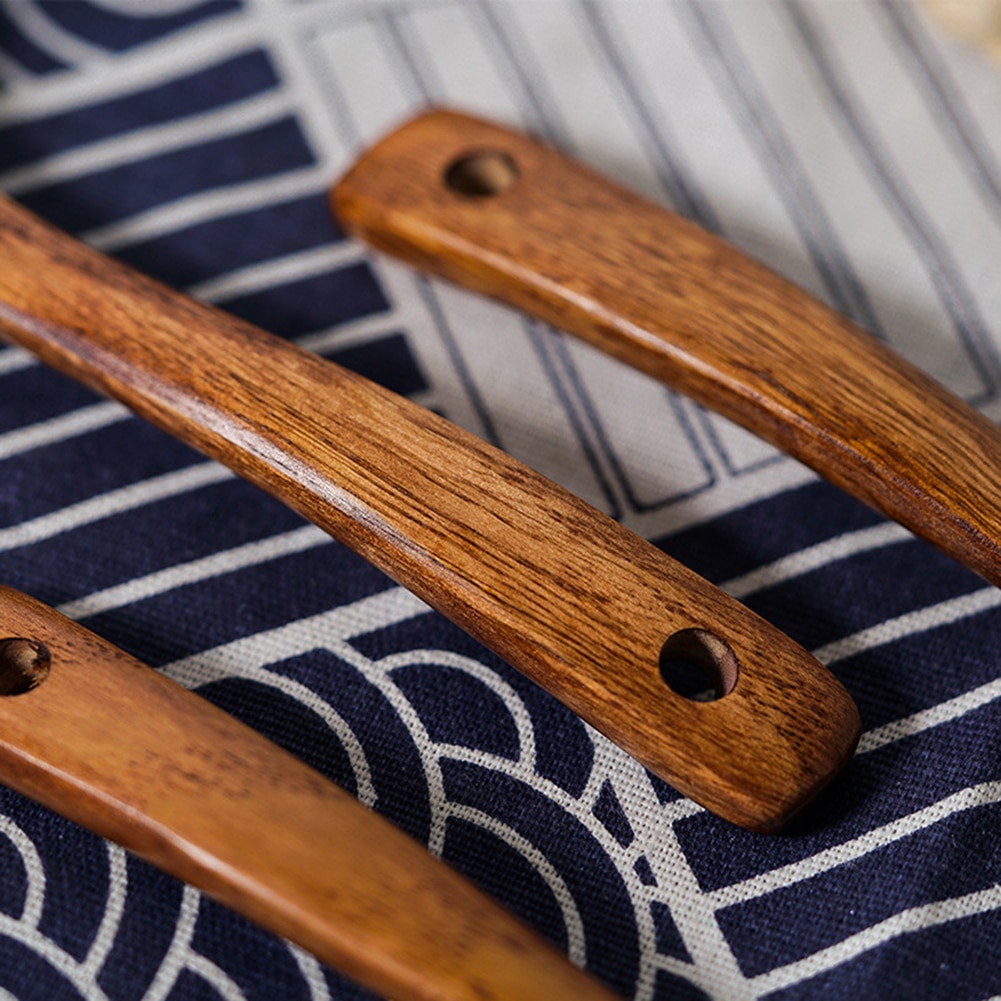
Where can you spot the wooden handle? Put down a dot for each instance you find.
(107, 742)
(559, 590)
(493, 210)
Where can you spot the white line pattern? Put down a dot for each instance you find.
(907, 922)
(62, 428)
(114, 502)
(848, 212)
(249, 555)
(104, 940)
(125, 149)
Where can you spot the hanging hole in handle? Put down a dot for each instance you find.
(24, 665)
(697, 665)
(483, 174)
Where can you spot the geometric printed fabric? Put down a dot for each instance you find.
(854, 147)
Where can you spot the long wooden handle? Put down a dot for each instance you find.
(559, 590)
(112, 745)
(498, 212)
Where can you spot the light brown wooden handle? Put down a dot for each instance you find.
(558, 589)
(107, 742)
(494, 210)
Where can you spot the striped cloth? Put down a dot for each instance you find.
(853, 146)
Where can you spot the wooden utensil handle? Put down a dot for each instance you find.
(493, 210)
(107, 742)
(562, 592)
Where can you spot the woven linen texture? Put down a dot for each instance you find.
(853, 146)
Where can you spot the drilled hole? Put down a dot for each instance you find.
(24, 664)
(481, 175)
(698, 665)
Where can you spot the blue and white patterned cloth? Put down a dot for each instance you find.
(853, 146)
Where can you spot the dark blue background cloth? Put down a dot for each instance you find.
(196, 141)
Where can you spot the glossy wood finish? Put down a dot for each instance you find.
(661, 294)
(560, 591)
(134, 757)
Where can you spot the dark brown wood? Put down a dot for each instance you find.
(134, 757)
(661, 294)
(559, 590)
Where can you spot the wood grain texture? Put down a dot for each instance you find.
(559, 590)
(663, 295)
(129, 754)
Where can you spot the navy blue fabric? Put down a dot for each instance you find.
(21, 48)
(736, 543)
(310, 304)
(564, 753)
(640, 894)
(145, 933)
(118, 31)
(246, 74)
(110, 195)
(575, 854)
(203, 251)
(394, 760)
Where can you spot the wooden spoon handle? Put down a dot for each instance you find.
(107, 742)
(558, 589)
(496, 211)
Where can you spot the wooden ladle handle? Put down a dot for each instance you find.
(500, 213)
(562, 592)
(129, 754)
